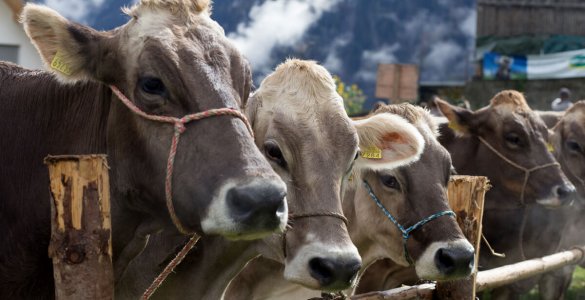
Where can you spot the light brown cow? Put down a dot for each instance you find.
(437, 249)
(300, 123)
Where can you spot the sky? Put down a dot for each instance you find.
(423, 37)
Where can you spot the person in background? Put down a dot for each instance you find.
(563, 102)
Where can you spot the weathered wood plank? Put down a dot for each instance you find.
(466, 197)
(80, 245)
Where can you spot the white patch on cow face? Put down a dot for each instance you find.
(426, 266)
(298, 270)
(218, 219)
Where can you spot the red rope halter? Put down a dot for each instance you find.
(179, 126)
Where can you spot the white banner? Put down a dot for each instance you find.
(557, 65)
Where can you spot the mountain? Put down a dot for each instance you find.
(350, 37)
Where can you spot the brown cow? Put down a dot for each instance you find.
(507, 142)
(300, 122)
(169, 60)
(502, 141)
(437, 250)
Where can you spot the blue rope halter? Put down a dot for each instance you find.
(405, 232)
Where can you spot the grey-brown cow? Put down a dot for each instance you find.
(507, 142)
(170, 60)
(301, 125)
(411, 193)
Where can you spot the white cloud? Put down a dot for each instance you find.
(371, 59)
(332, 62)
(276, 23)
(444, 58)
(75, 10)
(469, 24)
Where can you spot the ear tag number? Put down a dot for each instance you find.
(372, 152)
(59, 64)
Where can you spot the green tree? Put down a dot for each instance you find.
(353, 96)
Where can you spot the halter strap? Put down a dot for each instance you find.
(526, 171)
(405, 232)
(179, 128)
(308, 215)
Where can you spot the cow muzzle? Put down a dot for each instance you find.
(446, 260)
(248, 211)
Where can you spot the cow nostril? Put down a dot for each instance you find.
(322, 270)
(257, 205)
(334, 274)
(444, 262)
(454, 262)
(564, 191)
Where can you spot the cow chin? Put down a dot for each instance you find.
(552, 203)
(221, 219)
(446, 260)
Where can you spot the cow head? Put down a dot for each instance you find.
(438, 249)
(171, 60)
(301, 125)
(509, 146)
(569, 145)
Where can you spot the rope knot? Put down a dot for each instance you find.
(180, 127)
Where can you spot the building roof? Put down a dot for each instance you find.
(16, 7)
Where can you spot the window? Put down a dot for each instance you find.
(9, 53)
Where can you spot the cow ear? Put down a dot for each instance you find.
(387, 141)
(251, 109)
(65, 47)
(461, 120)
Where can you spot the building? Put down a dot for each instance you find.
(518, 41)
(14, 43)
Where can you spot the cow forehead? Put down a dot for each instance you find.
(163, 26)
(576, 114)
(324, 134)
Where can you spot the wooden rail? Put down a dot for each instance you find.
(488, 279)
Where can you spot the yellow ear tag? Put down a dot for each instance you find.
(550, 147)
(59, 64)
(454, 126)
(372, 152)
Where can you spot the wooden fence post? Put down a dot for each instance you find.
(466, 198)
(80, 245)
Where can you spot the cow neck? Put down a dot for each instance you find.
(208, 269)
(74, 117)
(368, 248)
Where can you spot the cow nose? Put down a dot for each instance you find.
(455, 262)
(259, 205)
(567, 193)
(334, 274)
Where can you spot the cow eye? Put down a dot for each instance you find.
(390, 181)
(512, 139)
(573, 146)
(273, 153)
(152, 85)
